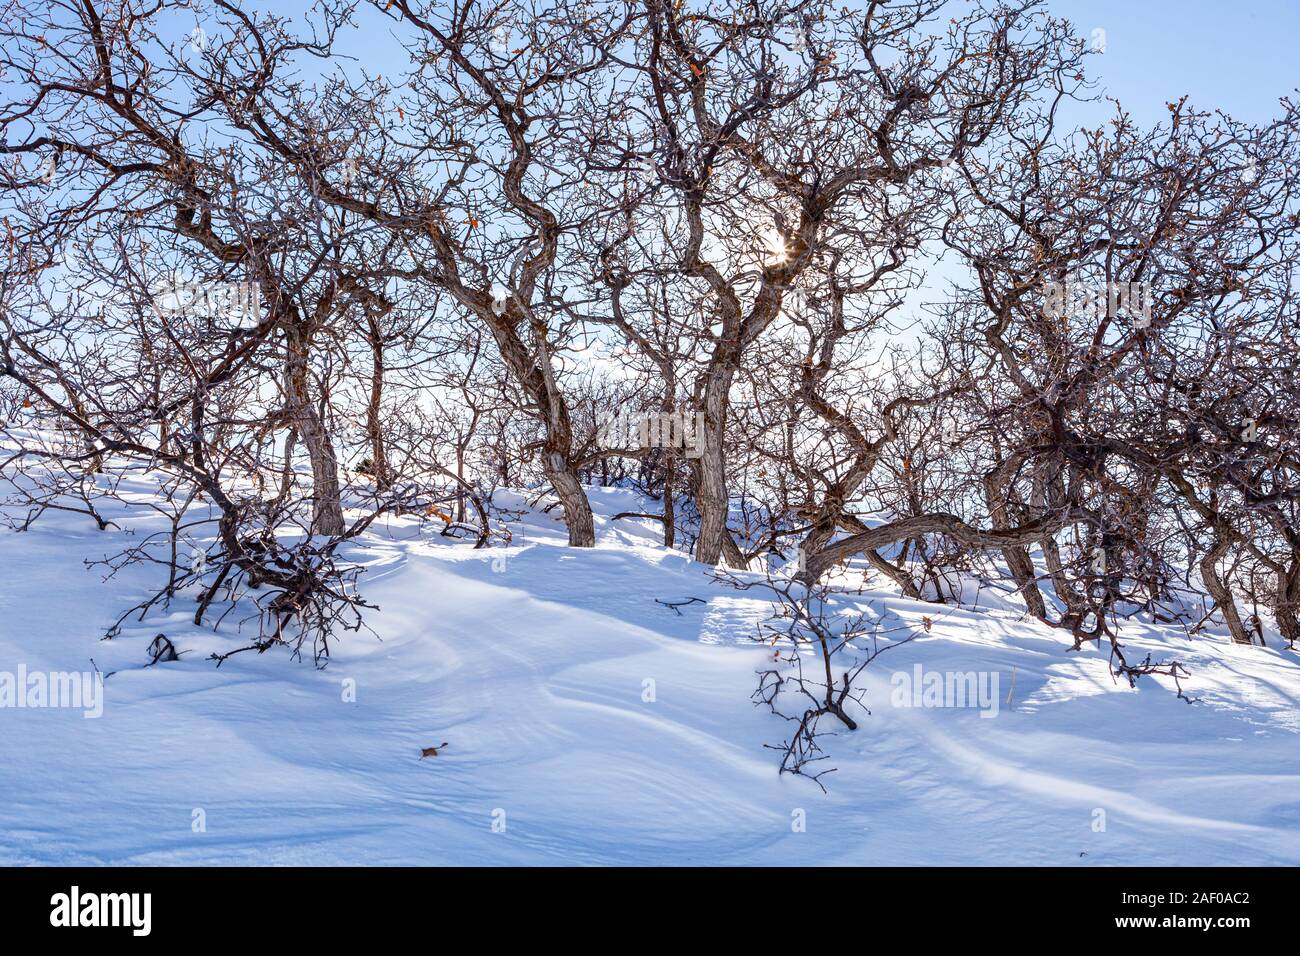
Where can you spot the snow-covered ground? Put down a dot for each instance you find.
(531, 662)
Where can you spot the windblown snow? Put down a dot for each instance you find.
(586, 723)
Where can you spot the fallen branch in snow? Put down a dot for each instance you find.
(637, 514)
(162, 649)
(1131, 672)
(676, 604)
(808, 618)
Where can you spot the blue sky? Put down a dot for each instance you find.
(1240, 56)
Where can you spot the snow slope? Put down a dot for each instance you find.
(530, 663)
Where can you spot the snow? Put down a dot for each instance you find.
(531, 662)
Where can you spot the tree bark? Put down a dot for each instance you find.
(715, 544)
(1219, 590)
(327, 507)
(374, 429)
(1019, 564)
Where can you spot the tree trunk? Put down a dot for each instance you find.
(1019, 564)
(374, 429)
(577, 510)
(327, 508)
(1288, 599)
(286, 473)
(711, 547)
(460, 477)
(1219, 590)
(670, 520)
(535, 374)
